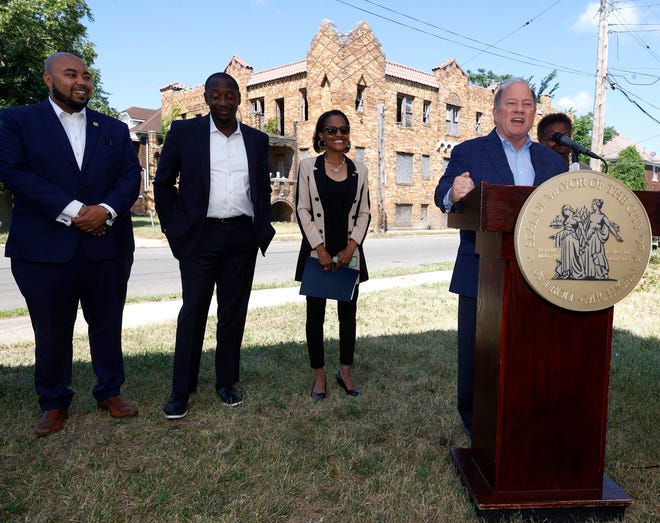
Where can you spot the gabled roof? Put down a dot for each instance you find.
(412, 75)
(237, 60)
(150, 124)
(449, 63)
(617, 144)
(139, 113)
(277, 73)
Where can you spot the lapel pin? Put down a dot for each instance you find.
(95, 124)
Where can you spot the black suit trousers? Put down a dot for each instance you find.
(224, 258)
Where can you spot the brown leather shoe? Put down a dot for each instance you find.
(50, 421)
(117, 407)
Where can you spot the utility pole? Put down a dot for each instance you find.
(381, 215)
(601, 86)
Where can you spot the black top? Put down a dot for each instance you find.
(336, 199)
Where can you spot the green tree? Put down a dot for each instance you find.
(582, 126)
(629, 168)
(31, 31)
(544, 86)
(271, 126)
(165, 123)
(485, 78)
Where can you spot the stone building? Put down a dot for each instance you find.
(404, 122)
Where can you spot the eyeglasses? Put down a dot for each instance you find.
(332, 130)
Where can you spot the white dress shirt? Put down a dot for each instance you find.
(229, 194)
(75, 127)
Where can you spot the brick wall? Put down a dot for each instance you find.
(336, 64)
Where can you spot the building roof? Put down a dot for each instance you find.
(391, 69)
(450, 62)
(150, 124)
(408, 73)
(277, 73)
(617, 144)
(139, 113)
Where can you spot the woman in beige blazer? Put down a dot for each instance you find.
(332, 207)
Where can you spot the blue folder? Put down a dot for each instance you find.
(333, 285)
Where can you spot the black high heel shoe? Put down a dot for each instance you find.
(350, 392)
(318, 395)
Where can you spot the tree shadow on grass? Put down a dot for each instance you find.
(397, 433)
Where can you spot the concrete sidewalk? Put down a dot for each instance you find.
(19, 330)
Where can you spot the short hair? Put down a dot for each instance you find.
(507, 83)
(222, 76)
(548, 120)
(320, 125)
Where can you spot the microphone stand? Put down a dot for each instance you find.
(575, 163)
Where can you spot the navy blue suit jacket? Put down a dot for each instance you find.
(38, 166)
(484, 158)
(185, 158)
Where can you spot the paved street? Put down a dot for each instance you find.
(156, 273)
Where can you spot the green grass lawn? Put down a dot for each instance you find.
(381, 457)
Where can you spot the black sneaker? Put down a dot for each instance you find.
(176, 406)
(229, 395)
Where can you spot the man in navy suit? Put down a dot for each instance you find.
(506, 156)
(74, 176)
(215, 219)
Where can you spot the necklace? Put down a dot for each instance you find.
(335, 169)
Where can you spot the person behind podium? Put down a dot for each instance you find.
(505, 156)
(557, 123)
(332, 208)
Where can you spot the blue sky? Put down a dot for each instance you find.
(143, 45)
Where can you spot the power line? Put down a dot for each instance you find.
(634, 34)
(630, 96)
(488, 48)
(516, 30)
(520, 57)
(653, 78)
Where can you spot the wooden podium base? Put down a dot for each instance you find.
(493, 506)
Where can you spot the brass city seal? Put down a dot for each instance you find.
(583, 240)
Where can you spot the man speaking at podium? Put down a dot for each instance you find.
(506, 156)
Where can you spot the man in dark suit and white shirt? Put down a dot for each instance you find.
(212, 193)
(506, 156)
(74, 176)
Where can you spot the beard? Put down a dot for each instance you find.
(67, 101)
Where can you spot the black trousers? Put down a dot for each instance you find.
(225, 258)
(346, 311)
(467, 328)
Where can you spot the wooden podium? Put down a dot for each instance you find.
(541, 380)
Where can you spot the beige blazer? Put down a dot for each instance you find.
(309, 204)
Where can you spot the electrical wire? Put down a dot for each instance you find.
(527, 60)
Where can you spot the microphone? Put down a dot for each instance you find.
(563, 139)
